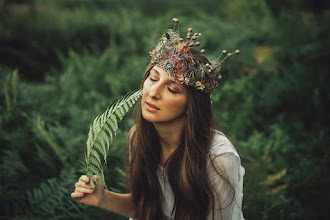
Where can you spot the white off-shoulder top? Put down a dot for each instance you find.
(224, 154)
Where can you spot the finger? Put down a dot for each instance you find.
(84, 190)
(77, 195)
(82, 184)
(96, 180)
(84, 178)
(98, 184)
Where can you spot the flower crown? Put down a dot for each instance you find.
(175, 56)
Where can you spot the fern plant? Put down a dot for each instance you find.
(101, 133)
(42, 202)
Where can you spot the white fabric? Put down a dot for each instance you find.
(226, 157)
(224, 154)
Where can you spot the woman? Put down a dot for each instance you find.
(180, 166)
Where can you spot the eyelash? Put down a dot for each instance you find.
(170, 90)
(152, 80)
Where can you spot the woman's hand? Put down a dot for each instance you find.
(121, 204)
(84, 193)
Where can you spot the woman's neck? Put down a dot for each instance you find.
(170, 137)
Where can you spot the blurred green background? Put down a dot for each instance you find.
(63, 62)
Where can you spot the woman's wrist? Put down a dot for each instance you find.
(121, 204)
(104, 201)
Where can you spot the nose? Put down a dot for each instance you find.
(155, 90)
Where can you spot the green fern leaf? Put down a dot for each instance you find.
(101, 133)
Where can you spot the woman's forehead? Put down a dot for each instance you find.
(163, 73)
(159, 70)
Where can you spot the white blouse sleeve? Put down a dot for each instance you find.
(228, 165)
(227, 162)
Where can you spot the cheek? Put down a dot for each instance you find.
(143, 98)
(177, 106)
(147, 84)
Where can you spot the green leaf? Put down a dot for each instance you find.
(102, 131)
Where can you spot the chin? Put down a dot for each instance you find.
(146, 115)
(149, 117)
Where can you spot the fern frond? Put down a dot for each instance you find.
(43, 203)
(10, 90)
(101, 134)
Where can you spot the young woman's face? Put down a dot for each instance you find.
(166, 100)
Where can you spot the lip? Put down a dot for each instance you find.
(151, 107)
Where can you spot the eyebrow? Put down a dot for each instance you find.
(155, 71)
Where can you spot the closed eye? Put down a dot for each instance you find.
(172, 91)
(152, 80)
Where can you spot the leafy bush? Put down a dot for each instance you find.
(63, 63)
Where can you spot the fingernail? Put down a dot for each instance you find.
(81, 194)
(91, 190)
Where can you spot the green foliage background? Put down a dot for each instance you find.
(63, 62)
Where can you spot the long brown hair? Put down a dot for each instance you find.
(187, 166)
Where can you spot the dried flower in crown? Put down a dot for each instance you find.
(174, 55)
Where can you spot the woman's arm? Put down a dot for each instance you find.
(121, 204)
